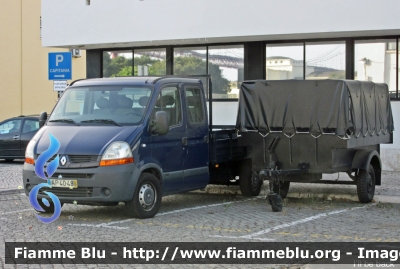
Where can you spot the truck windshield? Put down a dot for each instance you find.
(102, 105)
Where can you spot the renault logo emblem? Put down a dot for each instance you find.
(63, 160)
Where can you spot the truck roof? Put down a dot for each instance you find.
(131, 80)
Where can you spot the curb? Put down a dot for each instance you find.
(11, 191)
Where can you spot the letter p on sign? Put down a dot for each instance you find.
(59, 59)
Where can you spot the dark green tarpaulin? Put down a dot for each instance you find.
(340, 107)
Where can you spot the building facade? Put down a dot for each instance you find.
(235, 41)
(24, 85)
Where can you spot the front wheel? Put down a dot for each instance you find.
(366, 184)
(146, 200)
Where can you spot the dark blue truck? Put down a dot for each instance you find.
(134, 140)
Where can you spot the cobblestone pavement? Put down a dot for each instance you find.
(203, 216)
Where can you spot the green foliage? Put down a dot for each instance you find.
(121, 66)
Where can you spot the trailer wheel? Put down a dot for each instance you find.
(146, 200)
(282, 188)
(366, 185)
(249, 182)
(275, 200)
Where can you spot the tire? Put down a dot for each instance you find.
(276, 203)
(47, 209)
(366, 185)
(282, 189)
(249, 182)
(146, 200)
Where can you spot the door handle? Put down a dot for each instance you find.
(16, 137)
(184, 141)
(206, 139)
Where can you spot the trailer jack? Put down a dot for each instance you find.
(275, 200)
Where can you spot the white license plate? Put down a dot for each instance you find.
(62, 183)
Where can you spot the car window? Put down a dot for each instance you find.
(30, 126)
(11, 126)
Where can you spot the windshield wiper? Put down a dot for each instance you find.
(65, 120)
(101, 121)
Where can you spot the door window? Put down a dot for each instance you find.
(169, 101)
(194, 105)
(30, 126)
(11, 126)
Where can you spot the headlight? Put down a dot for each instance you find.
(29, 155)
(117, 153)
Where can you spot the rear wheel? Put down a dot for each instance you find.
(249, 182)
(282, 188)
(366, 184)
(146, 200)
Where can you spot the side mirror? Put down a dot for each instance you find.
(42, 119)
(160, 124)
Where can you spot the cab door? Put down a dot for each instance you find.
(196, 144)
(10, 143)
(167, 149)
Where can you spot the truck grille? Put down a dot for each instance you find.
(72, 176)
(82, 158)
(65, 192)
(78, 158)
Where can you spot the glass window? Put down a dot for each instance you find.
(191, 61)
(375, 60)
(102, 105)
(11, 126)
(117, 63)
(150, 62)
(169, 101)
(194, 105)
(225, 65)
(398, 73)
(326, 60)
(30, 126)
(284, 61)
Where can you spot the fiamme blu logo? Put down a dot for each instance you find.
(39, 171)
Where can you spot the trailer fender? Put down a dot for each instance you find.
(364, 158)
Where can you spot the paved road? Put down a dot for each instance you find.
(204, 216)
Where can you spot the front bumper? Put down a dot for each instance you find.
(109, 184)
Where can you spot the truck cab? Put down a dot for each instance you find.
(131, 140)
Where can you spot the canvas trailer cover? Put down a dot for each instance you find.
(345, 108)
(320, 123)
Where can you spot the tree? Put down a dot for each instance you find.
(122, 66)
(196, 66)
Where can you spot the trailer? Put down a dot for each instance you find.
(298, 130)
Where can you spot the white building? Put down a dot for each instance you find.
(261, 39)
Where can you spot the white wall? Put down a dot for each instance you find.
(123, 23)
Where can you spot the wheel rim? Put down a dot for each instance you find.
(147, 196)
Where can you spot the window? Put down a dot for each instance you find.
(325, 60)
(375, 60)
(11, 126)
(226, 65)
(290, 64)
(117, 63)
(194, 105)
(169, 101)
(149, 62)
(30, 126)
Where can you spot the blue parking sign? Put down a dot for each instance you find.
(60, 65)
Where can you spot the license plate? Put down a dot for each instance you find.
(62, 183)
